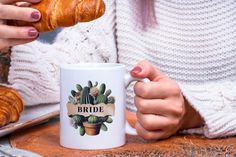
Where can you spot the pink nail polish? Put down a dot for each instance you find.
(33, 33)
(136, 70)
(35, 15)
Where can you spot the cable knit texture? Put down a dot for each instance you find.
(194, 43)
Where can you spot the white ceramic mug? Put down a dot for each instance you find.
(92, 113)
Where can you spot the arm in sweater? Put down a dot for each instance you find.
(34, 70)
(216, 103)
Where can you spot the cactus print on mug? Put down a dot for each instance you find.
(91, 108)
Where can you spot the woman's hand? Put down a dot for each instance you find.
(12, 35)
(162, 109)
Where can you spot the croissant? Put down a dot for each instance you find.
(64, 13)
(11, 105)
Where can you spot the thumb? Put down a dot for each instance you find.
(145, 69)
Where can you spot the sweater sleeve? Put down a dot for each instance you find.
(216, 103)
(34, 70)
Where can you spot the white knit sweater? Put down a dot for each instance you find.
(194, 43)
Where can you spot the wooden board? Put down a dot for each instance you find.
(44, 140)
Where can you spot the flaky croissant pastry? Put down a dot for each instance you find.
(11, 105)
(64, 13)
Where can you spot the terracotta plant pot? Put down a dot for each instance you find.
(92, 129)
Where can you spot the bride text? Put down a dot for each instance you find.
(89, 109)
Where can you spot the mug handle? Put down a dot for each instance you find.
(129, 79)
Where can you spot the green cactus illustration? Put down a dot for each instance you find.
(108, 92)
(73, 93)
(102, 99)
(75, 126)
(111, 99)
(109, 120)
(90, 100)
(91, 94)
(84, 94)
(79, 87)
(82, 130)
(104, 127)
(92, 119)
(72, 100)
(86, 98)
(95, 101)
(96, 83)
(103, 119)
(102, 89)
(90, 84)
(78, 119)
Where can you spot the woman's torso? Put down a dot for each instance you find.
(193, 42)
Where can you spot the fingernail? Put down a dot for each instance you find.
(33, 33)
(35, 15)
(136, 70)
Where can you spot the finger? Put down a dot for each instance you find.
(151, 106)
(3, 46)
(144, 69)
(14, 1)
(7, 32)
(152, 122)
(152, 90)
(149, 135)
(20, 42)
(158, 107)
(14, 42)
(10, 12)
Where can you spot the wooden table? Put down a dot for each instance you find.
(44, 139)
